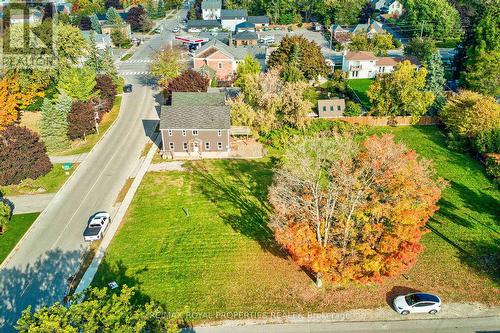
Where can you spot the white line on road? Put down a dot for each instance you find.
(135, 73)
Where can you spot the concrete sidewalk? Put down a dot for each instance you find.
(68, 159)
(30, 203)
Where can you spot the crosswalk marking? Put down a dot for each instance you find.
(135, 73)
(138, 61)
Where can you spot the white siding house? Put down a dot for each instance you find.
(211, 9)
(230, 18)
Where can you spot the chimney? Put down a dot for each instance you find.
(230, 38)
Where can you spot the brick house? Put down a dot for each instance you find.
(246, 37)
(223, 60)
(331, 108)
(196, 125)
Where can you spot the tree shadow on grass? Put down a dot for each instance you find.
(245, 189)
(484, 257)
(117, 271)
(40, 283)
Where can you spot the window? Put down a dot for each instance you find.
(183, 132)
(421, 305)
(220, 65)
(331, 108)
(195, 132)
(170, 133)
(338, 108)
(171, 145)
(207, 145)
(324, 108)
(219, 145)
(219, 133)
(185, 146)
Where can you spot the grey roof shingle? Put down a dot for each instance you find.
(258, 19)
(198, 99)
(246, 35)
(211, 4)
(203, 24)
(195, 117)
(237, 52)
(228, 14)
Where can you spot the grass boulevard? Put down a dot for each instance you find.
(199, 238)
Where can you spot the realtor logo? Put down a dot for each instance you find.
(28, 34)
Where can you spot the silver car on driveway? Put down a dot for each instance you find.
(417, 303)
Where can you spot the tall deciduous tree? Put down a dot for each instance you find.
(78, 83)
(22, 155)
(249, 66)
(138, 19)
(54, 122)
(469, 114)
(401, 93)
(379, 43)
(81, 120)
(9, 97)
(167, 65)
(101, 311)
(420, 47)
(483, 73)
(311, 60)
(350, 211)
(433, 18)
(189, 80)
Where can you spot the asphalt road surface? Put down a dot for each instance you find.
(50, 253)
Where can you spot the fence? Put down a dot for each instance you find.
(389, 121)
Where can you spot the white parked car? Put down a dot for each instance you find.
(267, 40)
(176, 30)
(96, 227)
(417, 303)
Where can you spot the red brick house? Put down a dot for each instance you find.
(223, 59)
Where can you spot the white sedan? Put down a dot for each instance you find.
(417, 303)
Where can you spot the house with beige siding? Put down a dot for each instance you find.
(331, 108)
(365, 65)
(195, 125)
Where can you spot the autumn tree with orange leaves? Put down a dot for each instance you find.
(9, 98)
(350, 211)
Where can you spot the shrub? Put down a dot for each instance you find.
(22, 155)
(487, 142)
(352, 109)
(5, 213)
(189, 81)
(493, 167)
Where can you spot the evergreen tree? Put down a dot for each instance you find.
(436, 80)
(94, 23)
(107, 66)
(161, 10)
(93, 56)
(112, 16)
(150, 9)
(54, 123)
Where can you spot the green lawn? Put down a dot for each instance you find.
(18, 225)
(126, 57)
(469, 217)
(49, 183)
(360, 87)
(199, 238)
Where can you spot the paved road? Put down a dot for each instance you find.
(469, 325)
(50, 252)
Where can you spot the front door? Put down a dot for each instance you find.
(196, 147)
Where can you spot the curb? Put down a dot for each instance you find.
(89, 274)
(36, 222)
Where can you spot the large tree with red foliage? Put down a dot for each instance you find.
(106, 87)
(189, 81)
(353, 211)
(22, 155)
(81, 119)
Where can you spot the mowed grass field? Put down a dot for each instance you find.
(360, 87)
(16, 228)
(199, 238)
